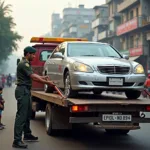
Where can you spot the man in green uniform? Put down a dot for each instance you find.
(25, 76)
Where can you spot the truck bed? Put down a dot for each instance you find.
(89, 99)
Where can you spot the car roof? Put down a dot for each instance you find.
(90, 42)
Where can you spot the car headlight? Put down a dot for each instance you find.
(139, 69)
(82, 67)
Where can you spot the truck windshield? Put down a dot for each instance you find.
(91, 49)
(44, 55)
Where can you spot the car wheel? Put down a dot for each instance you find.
(133, 94)
(68, 92)
(97, 92)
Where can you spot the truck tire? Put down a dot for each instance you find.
(133, 94)
(117, 131)
(49, 119)
(33, 114)
(67, 86)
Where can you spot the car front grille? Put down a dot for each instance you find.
(114, 69)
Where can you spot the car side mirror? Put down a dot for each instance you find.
(126, 57)
(58, 55)
(18, 60)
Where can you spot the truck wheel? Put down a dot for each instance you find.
(33, 114)
(133, 94)
(117, 131)
(49, 119)
(67, 86)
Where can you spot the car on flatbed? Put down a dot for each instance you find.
(92, 66)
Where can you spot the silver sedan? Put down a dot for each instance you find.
(92, 66)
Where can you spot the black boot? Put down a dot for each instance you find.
(19, 144)
(30, 137)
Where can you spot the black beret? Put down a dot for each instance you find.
(30, 49)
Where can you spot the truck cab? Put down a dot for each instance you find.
(43, 52)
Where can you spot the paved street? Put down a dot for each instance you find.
(85, 138)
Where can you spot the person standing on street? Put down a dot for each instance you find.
(1, 108)
(3, 80)
(25, 76)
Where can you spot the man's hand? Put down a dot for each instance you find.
(46, 78)
(51, 84)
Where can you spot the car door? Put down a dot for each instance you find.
(51, 65)
(60, 65)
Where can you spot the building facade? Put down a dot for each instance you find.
(100, 23)
(114, 19)
(55, 24)
(76, 22)
(134, 30)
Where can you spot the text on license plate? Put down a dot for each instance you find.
(115, 81)
(118, 118)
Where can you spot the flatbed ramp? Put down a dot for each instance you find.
(88, 99)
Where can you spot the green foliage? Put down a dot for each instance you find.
(8, 37)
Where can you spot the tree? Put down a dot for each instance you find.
(8, 37)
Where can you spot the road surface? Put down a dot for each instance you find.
(85, 138)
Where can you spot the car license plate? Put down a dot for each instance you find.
(117, 118)
(115, 81)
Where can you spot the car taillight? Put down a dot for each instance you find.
(148, 108)
(76, 108)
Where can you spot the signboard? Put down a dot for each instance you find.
(136, 51)
(128, 26)
(124, 52)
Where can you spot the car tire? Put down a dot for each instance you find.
(117, 131)
(95, 92)
(133, 94)
(68, 92)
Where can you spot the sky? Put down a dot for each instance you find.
(33, 17)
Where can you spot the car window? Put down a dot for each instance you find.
(91, 49)
(59, 48)
(62, 49)
(45, 54)
(55, 50)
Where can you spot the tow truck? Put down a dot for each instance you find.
(115, 114)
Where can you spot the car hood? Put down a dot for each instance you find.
(102, 61)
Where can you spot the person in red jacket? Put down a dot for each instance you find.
(147, 83)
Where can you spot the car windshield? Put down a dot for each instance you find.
(45, 55)
(91, 49)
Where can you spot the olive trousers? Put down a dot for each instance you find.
(23, 115)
